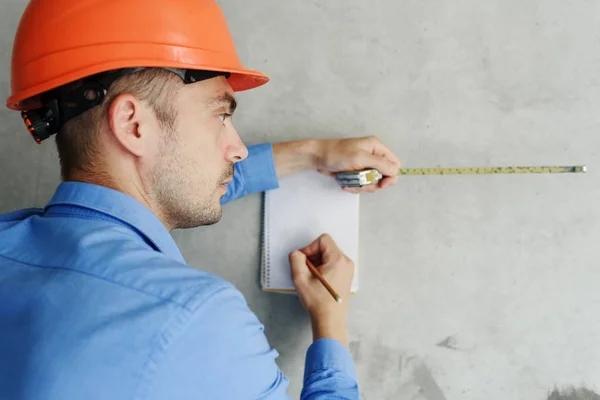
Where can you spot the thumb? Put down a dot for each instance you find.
(300, 270)
(368, 160)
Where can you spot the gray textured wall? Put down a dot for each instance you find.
(473, 287)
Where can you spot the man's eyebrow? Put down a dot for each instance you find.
(224, 100)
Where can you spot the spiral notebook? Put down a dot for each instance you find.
(305, 206)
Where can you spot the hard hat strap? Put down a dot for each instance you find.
(69, 101)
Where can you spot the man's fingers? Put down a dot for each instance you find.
(379, 149)
(387, 182)
(328, 173)
(321, 249)
(298, 264)
(364, 189)
(312, 250)
(367, 160)
(319, 246)
(327, 243)
(382, 184)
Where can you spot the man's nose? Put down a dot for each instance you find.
(237, 150)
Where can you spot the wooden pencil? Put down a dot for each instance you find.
(316, 273)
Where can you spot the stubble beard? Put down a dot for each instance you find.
(185, 200)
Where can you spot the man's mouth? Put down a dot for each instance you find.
(228, 176)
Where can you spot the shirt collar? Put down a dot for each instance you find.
(120, 206)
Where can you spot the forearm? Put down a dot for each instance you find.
(296, 156)
(330, 328)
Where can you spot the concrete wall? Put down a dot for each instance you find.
(472, 287)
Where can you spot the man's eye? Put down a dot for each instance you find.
(223, 117)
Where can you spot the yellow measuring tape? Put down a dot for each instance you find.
(372, 176)
(491, 170)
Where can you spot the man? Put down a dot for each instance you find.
(96, 301)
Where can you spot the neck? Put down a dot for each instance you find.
(129, 187)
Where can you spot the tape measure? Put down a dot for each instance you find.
(372, 176)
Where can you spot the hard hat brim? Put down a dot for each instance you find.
(240, 79)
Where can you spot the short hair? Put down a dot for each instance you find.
(76, 141)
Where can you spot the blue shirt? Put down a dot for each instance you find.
(97, 302)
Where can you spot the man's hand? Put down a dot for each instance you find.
(327, 316)
(356, 154)
(338, 155)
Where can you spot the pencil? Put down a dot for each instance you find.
(316, 273)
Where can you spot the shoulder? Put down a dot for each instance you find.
(183, 285)
(138, 268)
(104, 257)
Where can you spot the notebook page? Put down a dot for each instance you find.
(306, 205)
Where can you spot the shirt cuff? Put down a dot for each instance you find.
(329, 354)
(259, 169)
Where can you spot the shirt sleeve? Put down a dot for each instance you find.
(255, 174)
(329, 372)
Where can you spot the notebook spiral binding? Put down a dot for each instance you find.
(265, 241)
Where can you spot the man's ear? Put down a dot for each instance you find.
(124, 119)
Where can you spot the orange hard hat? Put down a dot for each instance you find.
(62, 41)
